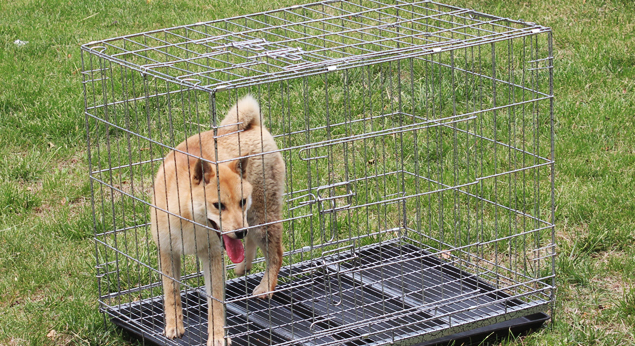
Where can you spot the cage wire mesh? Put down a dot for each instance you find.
(418, 146)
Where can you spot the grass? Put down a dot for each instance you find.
(46, 253)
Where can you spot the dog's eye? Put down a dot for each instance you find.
(219, 205)
(243, 203)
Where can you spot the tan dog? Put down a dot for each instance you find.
(189, 187)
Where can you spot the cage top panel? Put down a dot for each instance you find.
(304, 40)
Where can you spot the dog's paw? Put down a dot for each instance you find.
(218, 342)
(174, 331)
(262, 291)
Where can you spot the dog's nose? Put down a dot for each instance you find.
(240, 234)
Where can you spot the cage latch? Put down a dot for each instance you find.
(331, 204)
(297, 202)
(307, 150)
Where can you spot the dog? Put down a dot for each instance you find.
(245, 189)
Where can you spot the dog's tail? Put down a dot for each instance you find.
(243, 115)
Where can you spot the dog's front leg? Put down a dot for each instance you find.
(170, 265)
(214, 287)
(250, 252)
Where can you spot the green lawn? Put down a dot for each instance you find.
(46, 250)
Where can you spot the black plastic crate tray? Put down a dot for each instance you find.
(385, 293)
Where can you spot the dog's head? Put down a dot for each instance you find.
(227, 196)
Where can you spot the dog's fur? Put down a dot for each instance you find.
(187, 186)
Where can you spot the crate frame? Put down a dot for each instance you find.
(250, 45)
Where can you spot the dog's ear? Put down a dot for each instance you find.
(203, 170)
(240, 166)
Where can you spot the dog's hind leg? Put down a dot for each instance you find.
(271, 245)
(250, 254)
(267, 208)
(170, 265)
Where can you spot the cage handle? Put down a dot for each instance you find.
(99, 49)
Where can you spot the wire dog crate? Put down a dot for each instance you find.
(418, 146)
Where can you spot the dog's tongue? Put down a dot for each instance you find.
(234, 248)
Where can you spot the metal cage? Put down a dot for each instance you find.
(418, 140)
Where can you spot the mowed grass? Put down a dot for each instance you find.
(46, 251)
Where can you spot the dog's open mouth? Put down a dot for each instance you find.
(233, 247)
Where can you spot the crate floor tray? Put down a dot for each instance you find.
(388, 293)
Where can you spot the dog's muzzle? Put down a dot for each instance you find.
(241, 234)
(215, 226)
